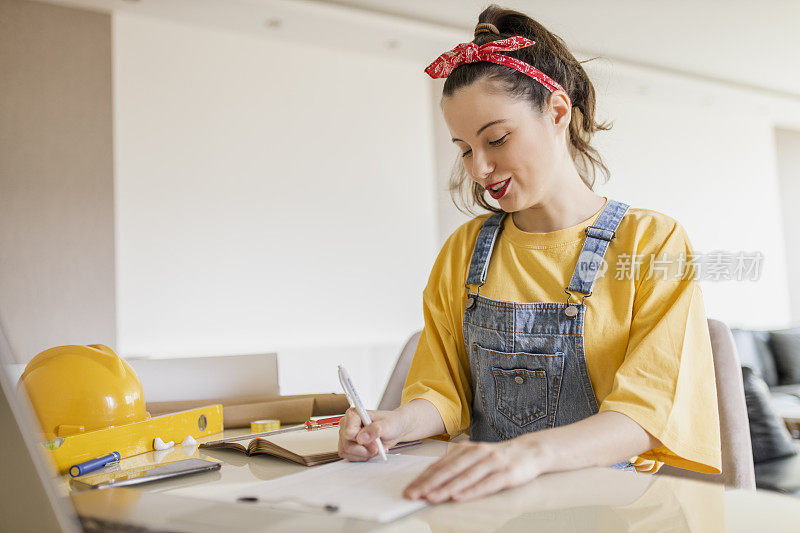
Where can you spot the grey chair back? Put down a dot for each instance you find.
(394, 388)
(737, 452)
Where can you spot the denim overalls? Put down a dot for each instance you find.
(527, 360)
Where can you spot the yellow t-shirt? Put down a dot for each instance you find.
(646, 339)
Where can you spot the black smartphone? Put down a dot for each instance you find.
(123, 478)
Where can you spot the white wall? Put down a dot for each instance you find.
(788, 151)
(270, 196)
(702, 153)
(56, 179)
(225, 258)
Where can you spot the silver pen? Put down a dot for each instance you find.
(355, 401)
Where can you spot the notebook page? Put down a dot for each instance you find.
(305, 443)
(245, 440)
(371, 490)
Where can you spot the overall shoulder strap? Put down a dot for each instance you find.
(598, 237)
(484, 244)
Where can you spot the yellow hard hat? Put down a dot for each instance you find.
(74, 389)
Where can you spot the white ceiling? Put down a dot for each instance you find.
(748, 43)
(744, 43)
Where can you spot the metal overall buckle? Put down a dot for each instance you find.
(472, 298)
(572, 309)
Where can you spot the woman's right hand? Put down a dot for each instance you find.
(358, 443)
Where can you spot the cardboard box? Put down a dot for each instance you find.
(239, 412)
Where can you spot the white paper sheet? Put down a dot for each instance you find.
(371, 490)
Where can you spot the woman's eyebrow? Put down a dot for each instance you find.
(492, 123)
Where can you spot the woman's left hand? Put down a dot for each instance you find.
(475, 469)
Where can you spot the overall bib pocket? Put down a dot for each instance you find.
(519, 391)
(521, 394)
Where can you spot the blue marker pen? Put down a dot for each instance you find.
(93, 464)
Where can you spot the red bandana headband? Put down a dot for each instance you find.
(471, 53)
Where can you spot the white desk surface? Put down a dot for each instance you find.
(595, 499)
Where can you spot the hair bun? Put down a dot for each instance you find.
(486, 27)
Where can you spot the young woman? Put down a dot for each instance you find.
(562, 330)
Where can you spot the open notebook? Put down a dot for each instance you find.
(307, 447)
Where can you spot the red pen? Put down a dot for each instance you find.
(324, 422)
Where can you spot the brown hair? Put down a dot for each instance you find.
(551, 56)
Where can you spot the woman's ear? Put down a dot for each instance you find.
(559, 110)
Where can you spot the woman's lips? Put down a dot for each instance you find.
(499, 193)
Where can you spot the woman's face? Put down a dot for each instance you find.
(508, 147)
